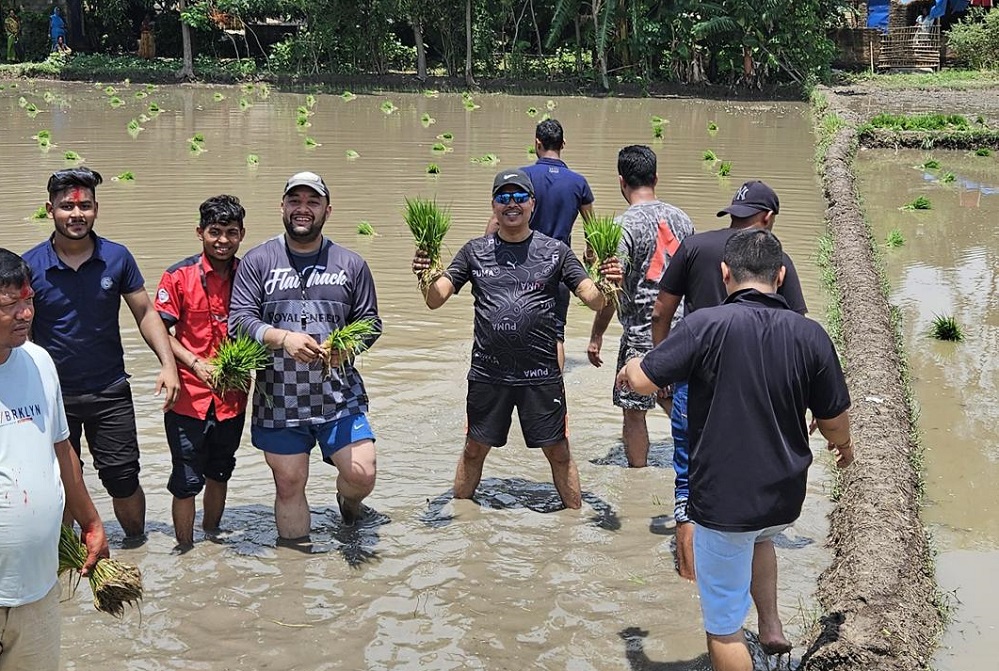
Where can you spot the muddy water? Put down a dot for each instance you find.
(948, 266)
(429, 583)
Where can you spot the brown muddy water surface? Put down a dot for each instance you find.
(948, 266)
(429, 583)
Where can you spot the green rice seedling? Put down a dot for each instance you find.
(430, 93)
(310, 101)
(252, 160)
(466, 95)
(235, 361)
(72, 156)
(40, 213)
(486, 159)
(365, 228)
(244, 104)
(302, 110)
(150, 88)
(263, 90)
(346, 343)
(127, 176)
(44, 143)
(550, 105)
(439, 148)
(13, 85)
(983, 151)
(895, 239)
(116, 102)
(48, 97)
(351, 154)
(725, 168)
(110, 90)
(531, 151)
(921, 122)
(929, 164)
(469, 105)
(429, 223)
(918, 203)
(545, 117)
(42, 135)
(658, 132)
(712, 127)
(310, 143)
(302, 122)
(948, 178)
(218, 97)
(2, 87)
(114, 584)
(427, 121)
(603, 236)
(710, 156)
(946, 328)
(446, 137)
(388, 107)
(198, 138)
(248, 87)
(139, 95)
(133, 127)
(433, 169)
(532, 112)
(154, 108)
(195, 147)
(22, 102)
(347, 96)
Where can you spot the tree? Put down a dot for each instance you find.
(187, 69)
(469, 78)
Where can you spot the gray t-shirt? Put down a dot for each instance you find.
(267, 292)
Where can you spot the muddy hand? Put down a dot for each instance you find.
(611, 270)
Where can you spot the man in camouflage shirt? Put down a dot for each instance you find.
(652, 233)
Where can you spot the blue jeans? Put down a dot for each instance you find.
(681, 450)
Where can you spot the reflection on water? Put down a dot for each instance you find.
(508, 581)
(949, 266)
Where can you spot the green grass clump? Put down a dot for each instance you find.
(895, 239)
(195, 147)
(127, 176)
(252, 160)
(709, 155)
(725, 169)
(113, 583)
(234, 363)
(302, 110)
(712, 127)
(347, 96)
(486, 159)
(72, 156)
(347, 341)
(983, 151)
(388, 107)
(150, 88)
(365, 228)
(603, 236)
(311, 144)
(40, 213)
(429, 223)
(946, 328)
(31, 110)
(929, 164)
(532, 112)
(433, 169)
(351, 154)
(920, 122)
(948, 178)
(918, 203)
(218, 97)
(531, 151)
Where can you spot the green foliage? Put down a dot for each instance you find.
(532, 112)
(218, 97)
(894, 239)
(439, 148)
(72, 156)
(244, 104)
(347, 96)
(983, 151)
(946, 328)
(311, 144)
(920, 122)
(918, 203)
(975, 39)
(603, 235)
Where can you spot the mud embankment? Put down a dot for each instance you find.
(879, 595)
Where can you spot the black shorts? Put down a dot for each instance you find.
(107, 418)
(541, 409)
(201, 448)
(561, 311)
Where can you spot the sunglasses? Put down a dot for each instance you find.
(519, 197)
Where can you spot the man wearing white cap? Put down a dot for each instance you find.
(290, 293)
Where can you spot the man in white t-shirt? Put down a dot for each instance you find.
(39, 475)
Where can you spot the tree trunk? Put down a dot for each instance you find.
(537, 30)
(601, 50)
(421, 50)
(579, 47)
(469, 76)
(187, 70)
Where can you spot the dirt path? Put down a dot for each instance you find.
(879, 592)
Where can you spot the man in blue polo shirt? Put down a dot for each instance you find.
(560, 194)
(754, 367)
(79, 280)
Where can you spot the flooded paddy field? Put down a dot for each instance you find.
(428, 583)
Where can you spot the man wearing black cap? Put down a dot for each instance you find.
(694, 276)
(290, 292)
(515, 274)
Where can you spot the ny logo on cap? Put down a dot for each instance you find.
(743, 192)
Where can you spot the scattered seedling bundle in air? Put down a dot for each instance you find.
(114, 584)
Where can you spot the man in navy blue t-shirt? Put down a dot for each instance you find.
(560, 195)
(79, 280)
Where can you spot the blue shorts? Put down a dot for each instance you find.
(331, 436)
(723, 563)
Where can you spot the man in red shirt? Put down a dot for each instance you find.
(203, 428)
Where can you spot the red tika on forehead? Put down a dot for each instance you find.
(25, 292)
(79, 194)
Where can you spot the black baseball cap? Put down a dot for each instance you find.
(309, 179)
(752, 197)
(514, 177)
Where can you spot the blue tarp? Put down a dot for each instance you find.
(877, 14)
(940, 7)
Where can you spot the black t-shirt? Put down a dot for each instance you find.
(515, 285)
(754, 367)
(695, 273)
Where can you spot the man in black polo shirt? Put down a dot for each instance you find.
(692, 276)
(515, 275)
(754, 367)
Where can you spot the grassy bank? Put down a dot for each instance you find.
(957, 80)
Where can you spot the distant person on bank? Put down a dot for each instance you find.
(289, 294)
(62, 48)
(79, 280)
(652, 232)
(204, 427)
(559, 195)
(515, 275)
(12, 28)
(754, 367)
(57, 28)
(692, 282)
(39, 476)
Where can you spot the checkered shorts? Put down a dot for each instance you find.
(628, 399)
(290, 393)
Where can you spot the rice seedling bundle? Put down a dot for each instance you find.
(469, 105)
(72, 156)
(712, 127)
(983, 151)
(709, 155)
(446, 137)
(302, 110)
(113, 583)
(347, 341)
(244, 104)
(725, 169)
(948, 177)
(150, 88)
(115, 101)
(428, 223)
(351, 154)
(929, 164)
(603, 235)
(110, 90)
(388, 107)
(531, 151)
(252, 160)
(40, 213)
(487, 159)
(427, 121)
(127, 176)
(195, 147)
(133, 126)
(532, 112)
(311, 144)
(139, 95)
(199, 138)
(895, 239)
(433, 169)
(154, 108)
(31, 109)
(303, 122)
(347, 96)
(919, 203)
(42, 135)
(310, 101)
(235, 361)
(365, 228)
(946, 328)
(439, 148)
(248, 88)
(218, 97)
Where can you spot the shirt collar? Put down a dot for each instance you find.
(759, 298)
(206, 265)
(53, 257)
(552, 161)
